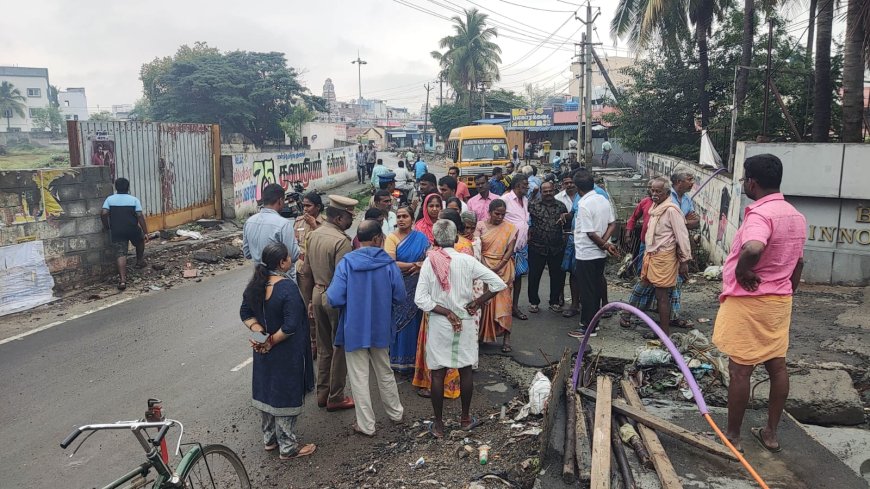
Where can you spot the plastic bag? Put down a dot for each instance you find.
(539, 393)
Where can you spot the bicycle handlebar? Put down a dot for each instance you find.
(127, 425)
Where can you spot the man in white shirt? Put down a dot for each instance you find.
(593, 225)
(404, 180)
(447, 186)
(384, 201)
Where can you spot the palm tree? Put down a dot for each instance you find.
(746, 51)
(853, 74)
(11, 101)
(645, 22)
(822, 93)
(470, 56)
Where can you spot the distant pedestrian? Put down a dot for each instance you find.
(445, 294)
(366, 287)
(267, 226)
(557, 163)
(122, 216)
(531, 172)
(546, 247)
(462, 191)
(410, 156)
(326, 246)
(641, 211)
(515, 154)
(360, 164)
(371, 158)
(594, 223)
(527, 152)
(606, 147)
(283, 372)
(420, 168)
(681, 184)
(760, 276)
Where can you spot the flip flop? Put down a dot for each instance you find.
(506, 349)
(474, 424)
(424, 393)
(756, 433)
(680, 323)
(305, 451)
(271, 447)
(534, 309)
(432, 432)
(555, 308)
(519, 315)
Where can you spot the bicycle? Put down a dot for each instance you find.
(209, 466)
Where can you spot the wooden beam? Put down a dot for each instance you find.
(582, 450)
(601, 436)
(568, 472)
(667, 427)
(665, 470)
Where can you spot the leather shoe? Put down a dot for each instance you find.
(346, 403)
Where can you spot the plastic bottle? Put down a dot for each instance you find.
(483, 454)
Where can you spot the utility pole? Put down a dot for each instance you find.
(580, 139)
(440, 89)
(483, 100)
(359, 62)
(587, 44)
(767, 77)
(426, 116)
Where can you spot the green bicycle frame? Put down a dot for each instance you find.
(163, 480)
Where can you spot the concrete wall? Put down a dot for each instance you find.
(73, 104)
(60, 207)
(322, 135)
(829, 183)
(251, 172)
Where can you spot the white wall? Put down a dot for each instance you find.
(73, 104)
(22, 83)
(322, 135)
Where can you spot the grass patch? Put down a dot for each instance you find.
(26, 157)
(363, 198)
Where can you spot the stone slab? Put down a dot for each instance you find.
(820, 397)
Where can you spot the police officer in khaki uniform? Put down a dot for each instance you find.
(325, 247)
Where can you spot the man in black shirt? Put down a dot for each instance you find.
(122, 216)
(546, 246)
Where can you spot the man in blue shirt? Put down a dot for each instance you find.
(681, 184)
(367, 284)
(420, 168)
(496, 186)
(122, 216)
(557, 162)
(267, 226)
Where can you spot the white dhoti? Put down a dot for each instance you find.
(446, 349)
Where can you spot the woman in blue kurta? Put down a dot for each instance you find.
(283, 368)
(408, 247)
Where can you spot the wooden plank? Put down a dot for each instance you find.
(582, 449)
(601, 436)
(667, 427)
(665, 470)
(568, 472)
(563, 372)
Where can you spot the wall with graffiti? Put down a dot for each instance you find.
(313, 169)
(719, 218)
(60, 208)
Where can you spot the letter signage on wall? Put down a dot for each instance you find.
(539, 117)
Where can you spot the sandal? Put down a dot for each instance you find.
(681, 323)
(649, 335)
(534, 309)
(519, 315)
(122, 285)
(305, 451)
(625, 322)
(271, 447)
(608, 314)
(506, 349)
(556, 308)
(756, 433)
(434, 433)
(424, 393)
(569, 313)
(473, 423)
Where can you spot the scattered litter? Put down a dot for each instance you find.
(154, 287)
(371, 469)
(189, 234)
(531, 432)
(189, 271)
(483, 454)
(524, 413)
(539, 393)
(503, 414)
(517, 426)
(419, 463)
(703, 320)
(651, 357)
(713, 273)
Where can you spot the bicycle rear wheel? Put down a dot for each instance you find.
(216, 467)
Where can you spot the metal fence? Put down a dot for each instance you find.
(173, 168)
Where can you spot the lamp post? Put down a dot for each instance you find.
(359, 62)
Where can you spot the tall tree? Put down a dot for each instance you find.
(822, 93)
(11, 102)
(745, 51)
(853, 74)
(470, 56)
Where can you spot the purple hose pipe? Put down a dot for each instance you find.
(678, 357)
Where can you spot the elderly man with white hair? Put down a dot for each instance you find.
(445, 293)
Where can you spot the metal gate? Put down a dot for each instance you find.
(173, 168)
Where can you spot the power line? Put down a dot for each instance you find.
(537, 8)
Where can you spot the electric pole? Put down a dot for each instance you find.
(580, 139)
(587, 45)
(359, 62)
(767, 78)
(440, 89)
(483, 100)
(426, 116)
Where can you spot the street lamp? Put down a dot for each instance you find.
(359, 62)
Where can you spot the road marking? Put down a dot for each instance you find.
(242, 365)
(71, 318)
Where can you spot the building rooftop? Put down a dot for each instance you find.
(20, 71)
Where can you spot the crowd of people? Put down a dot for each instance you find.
(426, 280)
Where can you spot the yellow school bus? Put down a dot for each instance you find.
(477, 150)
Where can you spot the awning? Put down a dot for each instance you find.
(490, 121)
(560, 127)
(396, 134)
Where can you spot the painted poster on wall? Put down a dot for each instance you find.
(103, 153)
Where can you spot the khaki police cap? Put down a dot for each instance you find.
(343, 203)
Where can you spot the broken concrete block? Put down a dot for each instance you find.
(851, 344)
(232, 251)
(206, 256)
(821, 397)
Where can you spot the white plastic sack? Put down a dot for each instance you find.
(713, 273)
(539, 392)
(25, 281)
(189, 234)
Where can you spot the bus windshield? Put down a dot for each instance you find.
(484, 149)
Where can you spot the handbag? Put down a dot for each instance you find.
(522, 261)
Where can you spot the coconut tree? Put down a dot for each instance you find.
(667, 23)
(470, 56)
(822, 91)
(853, 73)
(11, 101)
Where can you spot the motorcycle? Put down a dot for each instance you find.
(293, 201)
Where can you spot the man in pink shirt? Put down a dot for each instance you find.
(518, 214)
(462, 191)
(479, 204)
(760, 275)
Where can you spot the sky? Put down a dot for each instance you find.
(102, 45)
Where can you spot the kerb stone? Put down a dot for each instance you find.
(821, 397)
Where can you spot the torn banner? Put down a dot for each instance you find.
(25, 281)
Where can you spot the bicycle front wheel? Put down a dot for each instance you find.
(216, 467)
